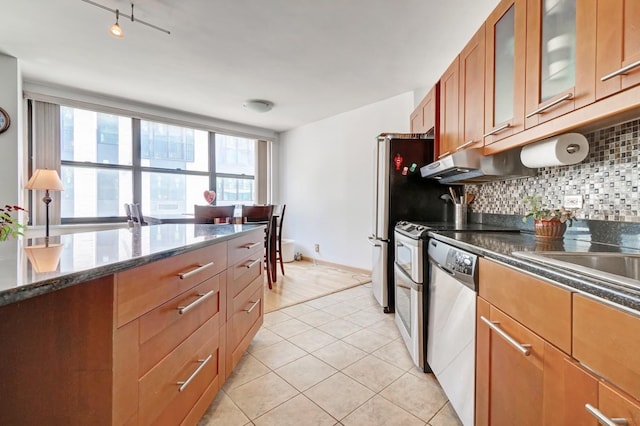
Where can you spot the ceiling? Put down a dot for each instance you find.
(312, 59)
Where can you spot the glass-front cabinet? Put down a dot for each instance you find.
(505, 70)
(560, 71)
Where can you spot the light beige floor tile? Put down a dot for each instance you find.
(316, 318)
(365, 319)
(396, 353)
(248, 369)
(339, 354)
(387, 328)
(296, 311)
(261, 395)
(312, 340)
(422, 397)
(366, 340)
(264, 338)
(273, 318)
(223, 412)
(279, 354)
(290, 328)
(339, 395)
(379, 412)
(373, 372)
(321, 302)
(295, 412)
(340, 328)
(340, 309)
(305, 372)
(446, 417)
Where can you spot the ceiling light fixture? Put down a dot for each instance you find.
(115, 29)
(257, 105)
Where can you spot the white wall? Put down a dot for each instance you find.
(326, 180)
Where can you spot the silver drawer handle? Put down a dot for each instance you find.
(253, 306)
(202, 362)
(444, 154)
(497, 130)
(523, 348)
(604, 419)
(465, 145)
(621, 71)
(200, 268)
(251, 264)
(200, 299)
(550, 105)
(252, 245)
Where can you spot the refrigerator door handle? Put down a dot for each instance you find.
(376, 241)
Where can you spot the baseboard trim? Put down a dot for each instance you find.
(338, 266)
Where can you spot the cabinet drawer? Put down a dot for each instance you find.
(141, 289)
(606, 340)
(538, 305)
(246, 245)
(170, 389)
(241, 275)
(164, 328)
(248, 309)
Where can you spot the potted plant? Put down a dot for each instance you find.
(547, 223)
(9, 226)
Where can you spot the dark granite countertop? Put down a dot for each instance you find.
(89, 255)
(499, 246)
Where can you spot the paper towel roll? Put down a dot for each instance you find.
(561, 150)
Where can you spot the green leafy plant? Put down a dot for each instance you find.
(538, 211)
(9, 226)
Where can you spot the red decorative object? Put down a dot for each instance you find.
(397, 160)
(209, 196)
(549, 229)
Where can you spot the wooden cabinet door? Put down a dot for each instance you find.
(618, 46)
(471, 103)
(424, 118)
(449, 93)
(561, 58)
(505, 70)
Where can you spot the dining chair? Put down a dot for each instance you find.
(209, 214)
(263, 214)
(278, 231)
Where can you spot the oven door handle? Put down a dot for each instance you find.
(412, 284)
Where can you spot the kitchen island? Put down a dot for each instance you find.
(132, 326)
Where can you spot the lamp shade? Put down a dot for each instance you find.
(44, 258)
(45, 179)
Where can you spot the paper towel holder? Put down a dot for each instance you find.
(573, 148)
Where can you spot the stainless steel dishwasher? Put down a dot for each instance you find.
(451, 331)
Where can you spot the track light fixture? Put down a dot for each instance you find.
(116, 30)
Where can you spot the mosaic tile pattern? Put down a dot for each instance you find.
(607, 180)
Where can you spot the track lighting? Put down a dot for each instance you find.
(116, 29)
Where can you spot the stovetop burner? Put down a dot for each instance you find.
(418, 230)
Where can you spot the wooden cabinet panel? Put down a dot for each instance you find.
(248, 313)
(449, 93)
(170, 389)
(504, 113)
(240, 275)
(483, 366)
(164, 328)
(471, 103)
(581, 387)
(618, 45)
(425, 117)
(141, 289)
(582, 41)
(540, 306)
(246, 245)
(606, 339)
(616, 405)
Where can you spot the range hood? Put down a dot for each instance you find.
(470, 166)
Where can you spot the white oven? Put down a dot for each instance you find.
(408, 280)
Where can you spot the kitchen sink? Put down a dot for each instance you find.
(620, 268)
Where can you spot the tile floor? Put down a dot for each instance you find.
(335, 360)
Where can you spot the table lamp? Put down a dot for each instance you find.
(47, 180)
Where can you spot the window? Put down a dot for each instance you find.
(166, 172)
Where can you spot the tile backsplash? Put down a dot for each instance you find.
(607, 180)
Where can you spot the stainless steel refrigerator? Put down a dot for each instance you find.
(400, 193)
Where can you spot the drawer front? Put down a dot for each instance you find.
(242, 274)
(606, 340)
(170, 389)
(164, 328)
(246, 245)
(247, 310)
(141, 289)
(538, 305)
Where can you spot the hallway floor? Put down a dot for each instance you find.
(333, 360)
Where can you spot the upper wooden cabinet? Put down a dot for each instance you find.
(471, 92)
(560, 57)
(618, 46)
(424, 118)
(449, 90)
(505, 70)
